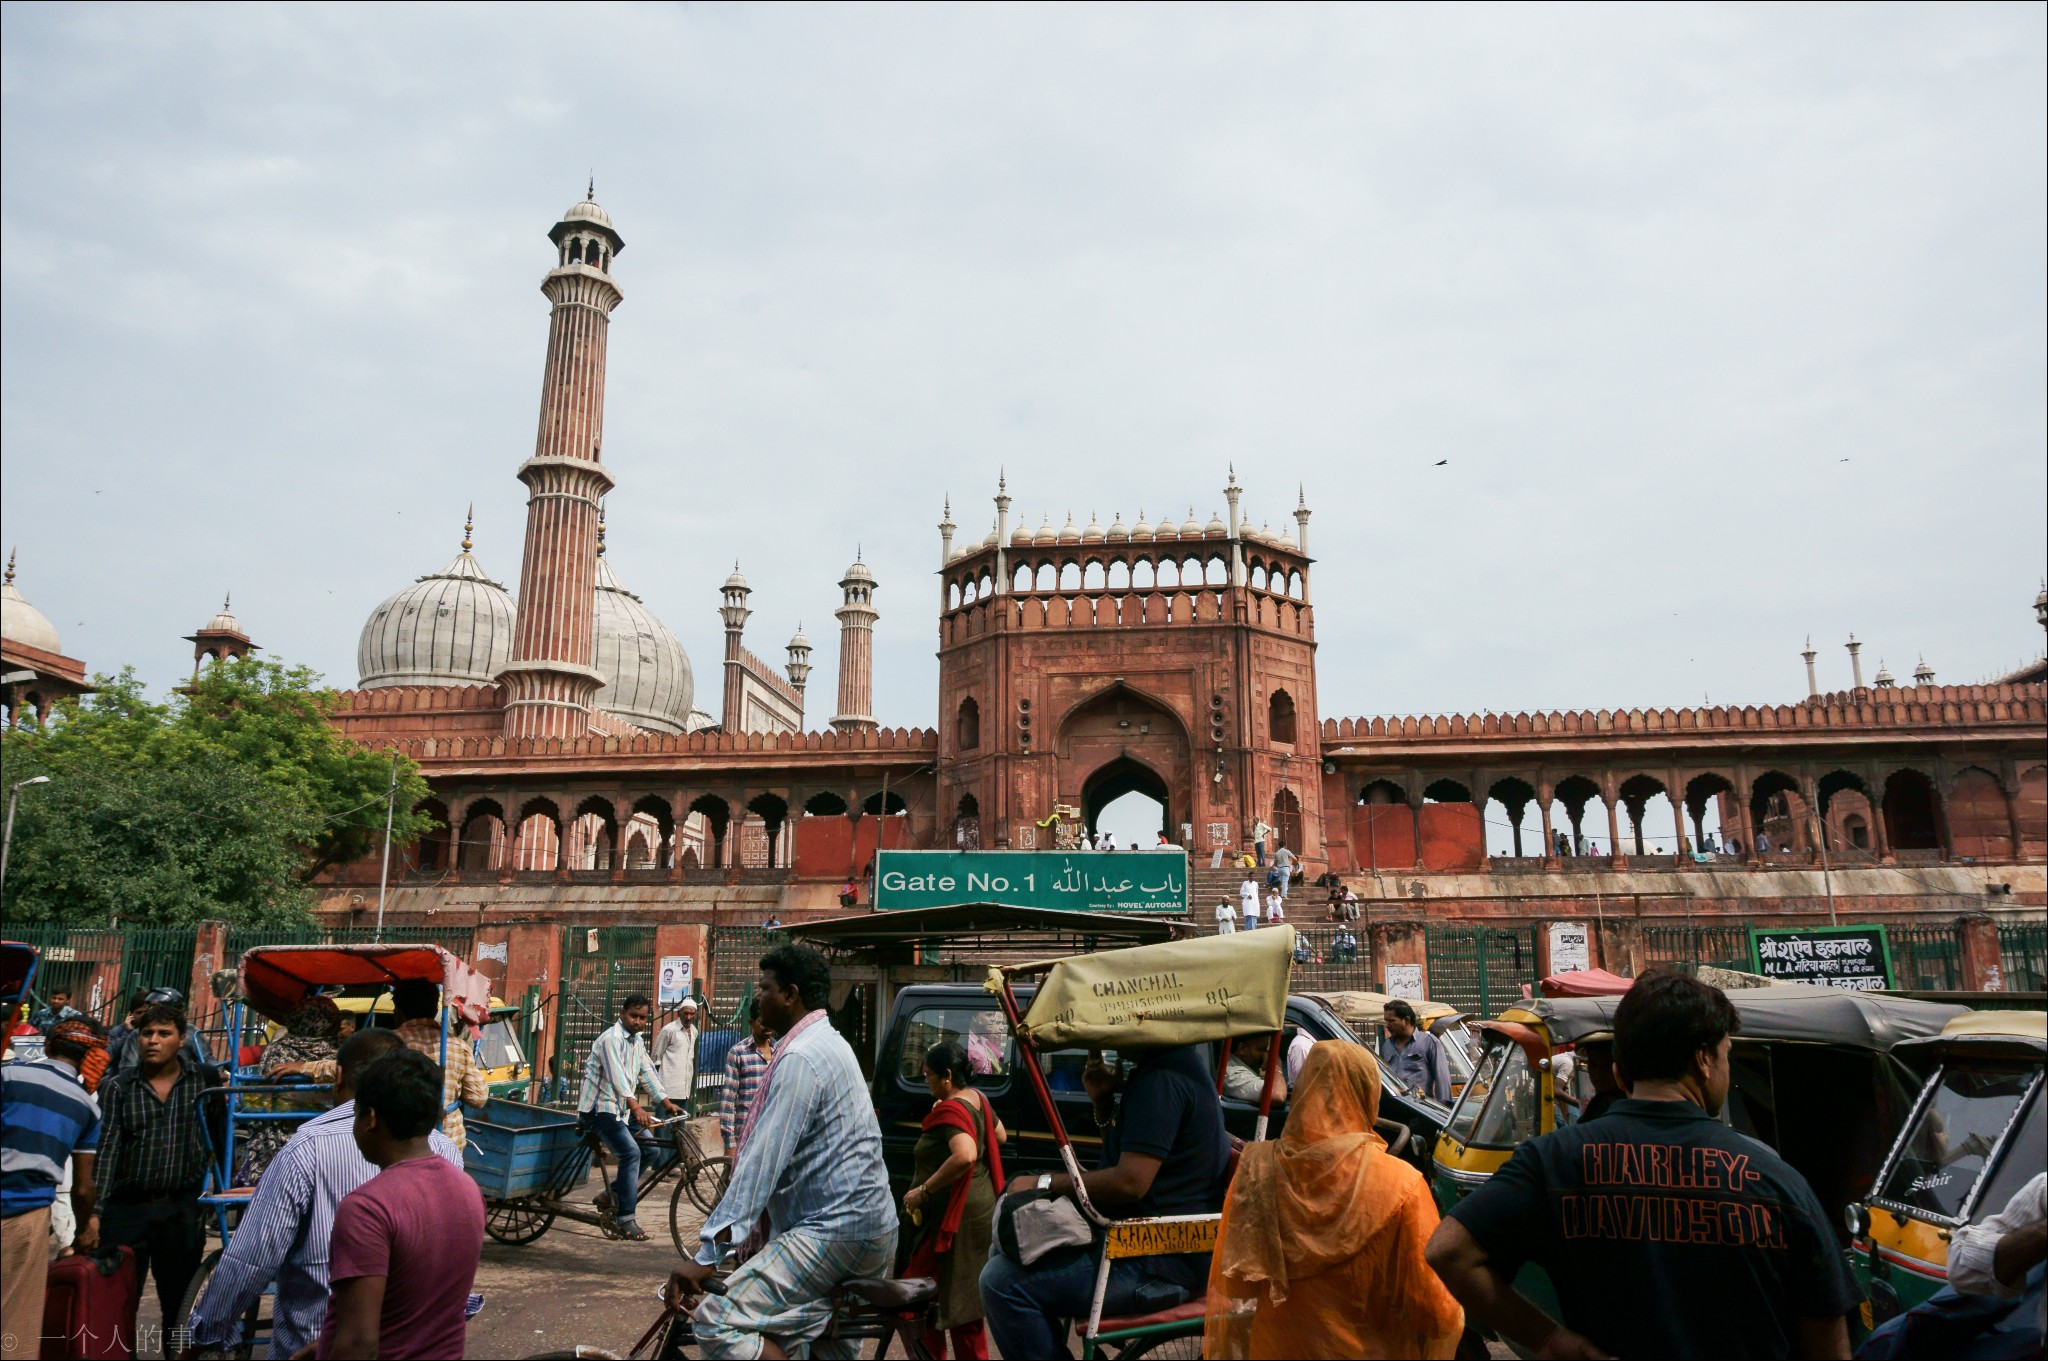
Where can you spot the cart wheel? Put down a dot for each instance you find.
(1166, 1345)
(253, 1320)
(516, 1221)
(706, 1182)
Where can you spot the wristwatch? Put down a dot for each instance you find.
(1045, 1181)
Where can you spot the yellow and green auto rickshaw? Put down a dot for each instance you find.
(1813, 1075)
(496, 1042)
(1975, 1136)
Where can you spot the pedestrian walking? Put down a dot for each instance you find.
(287, 1232)
(406, 1242)
(51, 1121)
(1283, 861)
(1226, 919)
(123, 1056)
(675, 1054)
(957, 1171)
(1742, 1260)
(615, 1071)
(745, 1064)
(152, 1156)
(418, 1003)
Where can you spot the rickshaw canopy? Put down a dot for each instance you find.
(277, 979)
(1360, 1005)
(17, 966)
(1158, 996)
(1585, 983)
(1792, 1011)
(1986, 1034)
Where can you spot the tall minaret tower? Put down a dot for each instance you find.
(856, 650)
(550, 685)
(733, 610)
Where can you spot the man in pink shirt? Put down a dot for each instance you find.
(406, 1242)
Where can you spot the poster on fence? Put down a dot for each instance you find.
(1404, 980)
(1571, 949)
(1857, 958)
(675, 980)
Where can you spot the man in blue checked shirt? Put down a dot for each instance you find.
(616, 1068)
(286, 1230)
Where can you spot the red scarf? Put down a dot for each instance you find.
(953, 1113)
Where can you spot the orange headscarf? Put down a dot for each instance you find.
(1320, 1251)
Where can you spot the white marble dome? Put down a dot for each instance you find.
(21, 622)
(452, 627)
(647, 676)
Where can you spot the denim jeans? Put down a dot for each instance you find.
(616, 1134)
(1028, 1308)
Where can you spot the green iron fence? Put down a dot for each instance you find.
(734, 959)
(75, 959)
(1687, 947)
(1340, 959)
(1926, 957)
(1480, 968)
(2023, 948)
(601, 967)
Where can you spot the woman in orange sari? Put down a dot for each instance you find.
(1320, 1250)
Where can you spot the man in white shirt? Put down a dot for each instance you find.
(1994, 1257)
(1108, 842)
(1226, 919)
(1276, 909)
(675, 1054)
(1248, 903)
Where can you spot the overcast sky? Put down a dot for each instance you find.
(1728, 321)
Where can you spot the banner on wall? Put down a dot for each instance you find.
(1858, 958)
(673, 980)
(1072, 881)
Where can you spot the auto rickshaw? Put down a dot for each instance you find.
(1813, 1075)
(497, 1048)
(1207, 990)
(1975, 1136)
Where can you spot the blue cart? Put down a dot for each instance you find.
(527, 1160)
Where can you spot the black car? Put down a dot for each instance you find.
(926, 1014)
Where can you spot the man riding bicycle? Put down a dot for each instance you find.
(809, 1195)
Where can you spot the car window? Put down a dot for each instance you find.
(2018, 1164)
(1953, 1136)
(1062, 1069)
(981, 1030)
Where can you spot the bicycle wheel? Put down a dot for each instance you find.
(1165, 1347)
(252, 1320)
(517, 1222)
(706, 1182)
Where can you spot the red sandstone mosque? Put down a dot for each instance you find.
(576, 781)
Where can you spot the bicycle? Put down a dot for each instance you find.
(702, 1181)
(878, 1310)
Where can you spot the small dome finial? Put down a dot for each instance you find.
(600, 535)
(10, 566)
(468, 525)
(227, 603)
(590, 193)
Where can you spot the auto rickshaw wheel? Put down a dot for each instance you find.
(517, 1222)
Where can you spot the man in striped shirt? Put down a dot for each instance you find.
(616, 1068)
(46, 1116)
(745, 1064)
(285, 1232)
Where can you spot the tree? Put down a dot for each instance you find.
(223, 802)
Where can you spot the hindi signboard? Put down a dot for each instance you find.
(1857, 958)
(1072, 881)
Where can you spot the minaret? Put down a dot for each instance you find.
(1231, 493)
(221, 637)
(1002, 533)
(946, 528)
(799, 668)
(734, 611)
(1301, 514)
(856, 650)
(551, 683)
(1855, 660)
(1812, 681)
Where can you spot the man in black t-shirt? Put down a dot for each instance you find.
(1164, 1152)
(1665, 1232)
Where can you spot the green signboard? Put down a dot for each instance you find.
(1074, 881)
(1858, 958)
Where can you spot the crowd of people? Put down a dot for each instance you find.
(1661, 1229)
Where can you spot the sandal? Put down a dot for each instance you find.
(632, 1233)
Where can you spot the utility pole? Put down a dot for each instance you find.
(384, 875)
(7, 837)
(1820, 837)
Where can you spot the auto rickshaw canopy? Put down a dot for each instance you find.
(1585, 983)
(277, 979)
(1986, 1034)
(1159, 996)
(1788, 1011)
(1361, 1005)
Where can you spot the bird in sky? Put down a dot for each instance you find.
(1441, 462)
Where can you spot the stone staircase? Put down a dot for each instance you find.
(1207, 887)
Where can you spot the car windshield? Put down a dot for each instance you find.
(498, 1045)
(1954, 1135)
(981, 1030)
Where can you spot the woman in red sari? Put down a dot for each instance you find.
(957, 1174)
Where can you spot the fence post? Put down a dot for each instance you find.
(1982, 969)
(209, 952)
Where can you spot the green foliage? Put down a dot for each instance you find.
(221, 803)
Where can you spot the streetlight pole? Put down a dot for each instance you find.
(7, 837)
(384, 874)
(1820, 837)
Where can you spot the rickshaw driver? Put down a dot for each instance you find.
(1165, 1152)
(807, 1176)
(1665, 1232)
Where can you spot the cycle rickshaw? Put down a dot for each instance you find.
(273, 981)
